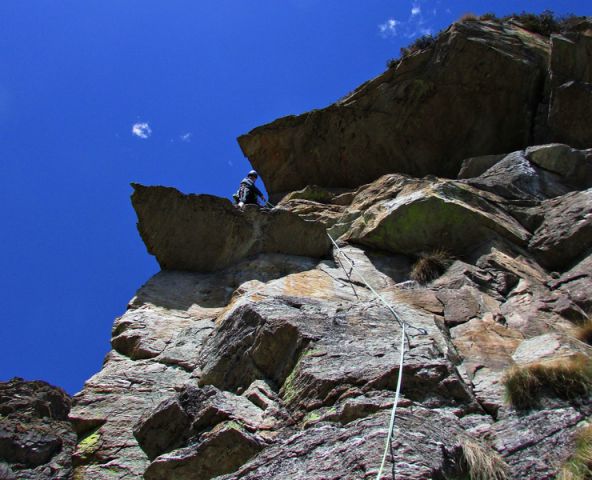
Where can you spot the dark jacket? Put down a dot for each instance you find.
(248, 192)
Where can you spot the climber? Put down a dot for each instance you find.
(247, 192)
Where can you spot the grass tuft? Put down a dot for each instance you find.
(420, 43)
(468, 17)
(579, 465)
(483, 463)
(489, 17)
(430, 266)
(584, 332)
(567, 379)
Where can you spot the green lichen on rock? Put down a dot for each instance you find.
(87, 447)
(289, 391)
(423, 225)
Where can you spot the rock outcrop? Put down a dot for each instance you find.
(259, 352)
(284, 366)
(205, 233)
(36, 438)
(482, 88)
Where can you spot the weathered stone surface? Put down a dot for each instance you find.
(534, 445)
(516, 178)
(218, 452)
(475, 166)
(474, 93)
(566, 232)
(571, 97)
(577, 284)
(206, 233)
(574, 166)
(106, 411)
(551, 346)
(36, 439)
(426, 445)
(446, 215)
(460, 305)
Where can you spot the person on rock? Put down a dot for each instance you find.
(247, 192)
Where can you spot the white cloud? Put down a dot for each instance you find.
(419, 22)
(141, 130)
(186, 137)
(388, 28)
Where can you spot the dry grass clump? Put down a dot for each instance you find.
(483, 463)
(567, 379)
(430, 266)
(579, 465)
(584, 332)
(468, 17)
(489, 16)
(420, 43)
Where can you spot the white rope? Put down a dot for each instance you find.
(401, 348)
(401, 361)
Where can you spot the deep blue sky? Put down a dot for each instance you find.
(75, 76)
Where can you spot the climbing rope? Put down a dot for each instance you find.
(391, 427)
(403, 325)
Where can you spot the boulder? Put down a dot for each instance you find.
(36, 439)
(474, 92)
(220, 451)
(203, 233)
(516, 178)
(566, 232)
(475, 166)
(549, 347)
(577, 283)
(446, 215)
(572, 165)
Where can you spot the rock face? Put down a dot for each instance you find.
(36, 439)
(259, 352)
(205, 233)
(483, 88)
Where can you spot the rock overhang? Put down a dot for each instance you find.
(204, 233)
(482, 88)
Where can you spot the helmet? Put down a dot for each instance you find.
(252, 173)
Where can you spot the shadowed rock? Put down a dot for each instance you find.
(475, 92)
(566, 232)
(204, 233)
(571, 97)
(36, 439)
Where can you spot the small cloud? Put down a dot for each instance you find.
(141, 130)
(186, 137)
(415, 10)
(388, 28)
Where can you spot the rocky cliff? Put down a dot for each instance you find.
(459, 185)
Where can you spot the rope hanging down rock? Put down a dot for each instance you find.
(403, 325)
(404, 337)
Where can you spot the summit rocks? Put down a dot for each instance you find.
(482, 88)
